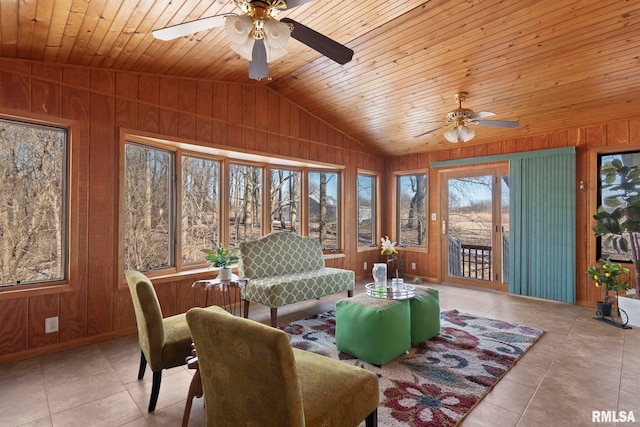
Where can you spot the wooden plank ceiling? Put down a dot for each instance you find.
(551, 64)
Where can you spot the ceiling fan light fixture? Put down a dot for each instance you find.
(452, 135)
(466, 133)
(277, 35)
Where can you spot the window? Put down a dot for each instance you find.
(200, 207)
(33, 207)
(323, 208)
(179, 199)
(366, 210)
(148, 208)
(245, 207)
(631, 158)
(411, 209)
(285, 200)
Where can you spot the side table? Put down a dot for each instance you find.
(229, 290)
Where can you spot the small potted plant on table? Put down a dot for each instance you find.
(222, 258)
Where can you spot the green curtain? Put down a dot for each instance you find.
(542, 224)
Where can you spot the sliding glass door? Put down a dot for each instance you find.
(475, 226)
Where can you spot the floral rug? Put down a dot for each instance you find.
(439, 381)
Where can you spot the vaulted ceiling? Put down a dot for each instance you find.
(551, 64)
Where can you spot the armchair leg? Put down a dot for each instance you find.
(155, 390)
(274, 317)
(246, 308)
(143, 365)
(349, 293)
(372, 419)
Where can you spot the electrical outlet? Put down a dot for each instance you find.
(413, 265)
(50, 325)
(364, 267)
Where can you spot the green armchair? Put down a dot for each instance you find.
(164, 342)
(252, 376)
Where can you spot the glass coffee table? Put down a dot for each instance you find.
(388, 292)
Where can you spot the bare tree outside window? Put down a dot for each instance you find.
(200, 207)
(148, 208)
(33, 171)
(366, 210)
(285, 200)
(245, 207)
(412, 214)
(323, 208)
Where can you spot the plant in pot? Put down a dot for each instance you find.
(222, 258)
(605, 276)
(618, 222)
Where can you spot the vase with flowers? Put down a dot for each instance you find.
(388, 248)
(606, 276)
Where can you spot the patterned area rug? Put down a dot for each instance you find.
(439, 381)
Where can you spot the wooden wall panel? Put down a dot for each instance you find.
(13, 326)
(40, 308)
(102, 204)
(46, 98)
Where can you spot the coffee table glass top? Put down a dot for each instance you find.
(407, 292)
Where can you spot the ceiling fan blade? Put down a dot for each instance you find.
(186, 28)
(321, 43)
(499, 123)
(258, 67)
(295, 3)
(481, 115)
(430, 131)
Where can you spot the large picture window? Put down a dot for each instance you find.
(631, 158)
(323, 205)
(412, 209)
(179, 199)
(366, 210)
(33, 207)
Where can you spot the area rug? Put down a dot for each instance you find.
(439, 381)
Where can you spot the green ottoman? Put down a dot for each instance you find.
(375, 330)
(425, 314)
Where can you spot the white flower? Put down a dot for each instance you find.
(388, 248)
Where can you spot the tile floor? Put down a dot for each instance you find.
(579, 365)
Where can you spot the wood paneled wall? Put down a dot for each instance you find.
(235, 116)
(98, 104)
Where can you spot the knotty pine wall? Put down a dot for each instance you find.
(97, 104)
(589, 141)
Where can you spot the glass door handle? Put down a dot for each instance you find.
(444, 227)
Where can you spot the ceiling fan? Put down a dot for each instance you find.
(459, 120)
(257, 36)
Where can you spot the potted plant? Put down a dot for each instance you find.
(606, 277)
(222, 258)
(618, 222)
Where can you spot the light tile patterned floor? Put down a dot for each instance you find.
(580, 365)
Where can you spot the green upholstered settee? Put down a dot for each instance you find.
(284, 268)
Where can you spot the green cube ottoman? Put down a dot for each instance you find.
(375, 330)
(425, 314)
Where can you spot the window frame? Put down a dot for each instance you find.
(76, 238)
(339, 206)
(376, 210)
(225, 157)
(598, 196)
(396, 211)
